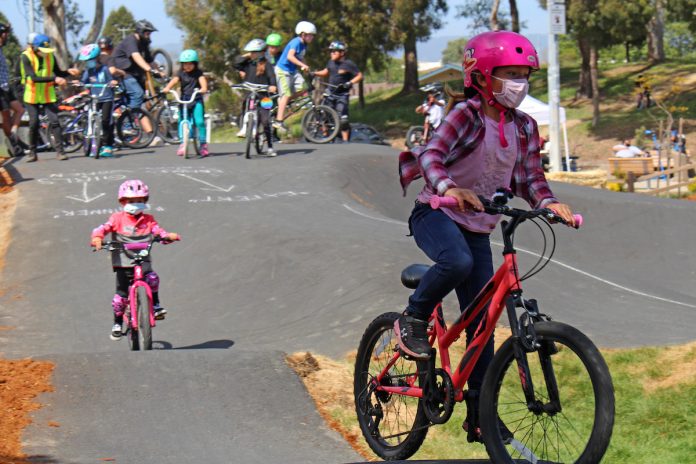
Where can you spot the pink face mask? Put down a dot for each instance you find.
(512, 93)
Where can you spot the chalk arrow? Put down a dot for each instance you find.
(86, 198)
(214, 188)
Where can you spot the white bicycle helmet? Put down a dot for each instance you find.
(306, 27)
(255, 45)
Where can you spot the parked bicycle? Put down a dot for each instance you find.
(547, 396)
(130, 126)
(189, 131)
(166, 116)
(139, 317)
(258, 97)
(93, 127)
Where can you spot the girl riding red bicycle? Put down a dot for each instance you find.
(482, 144)
(131, 225)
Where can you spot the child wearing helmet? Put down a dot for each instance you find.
(254, 68)
(98, 73)
(191, 78)
(131, 225)
(342, 74)
(273, 52)
(290, 82)
(483, 144)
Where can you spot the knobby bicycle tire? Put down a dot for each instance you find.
(167, 124)
(73, 127)
(166, 61)
(250, 131)
(142, 337)
(320, 124)
(414, 136)
(394, 426)
(580, 432)
(185, 137)
(130, 129)
(260, 140)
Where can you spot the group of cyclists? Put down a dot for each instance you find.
(127, 64)
(38, 75)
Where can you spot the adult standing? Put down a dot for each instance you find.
(10, 106)
(133, 56)
(343, 74)
(40, 74)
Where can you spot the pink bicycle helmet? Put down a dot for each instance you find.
(493, 49)
(133, 189)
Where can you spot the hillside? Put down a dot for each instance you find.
(392, 113)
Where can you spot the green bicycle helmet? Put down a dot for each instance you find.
(188, 56)
(274, 40)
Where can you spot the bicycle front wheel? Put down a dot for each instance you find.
(393, 425)
(131, 128)
(73, 126)
(320, 124)
(414, 136)
(141, 338)
(168, 124)
(250, 133)
(571, 417)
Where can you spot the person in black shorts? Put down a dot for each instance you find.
(10, 106)
(342, 73)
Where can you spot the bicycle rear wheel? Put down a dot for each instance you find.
(567, 366)
(130, 128)
(320, 124)
(185, 137)
(141, 338)
(394, 426)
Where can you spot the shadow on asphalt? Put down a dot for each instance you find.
(212, 344)
(444, 461)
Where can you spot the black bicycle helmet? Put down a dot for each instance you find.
(5, 28)
(105, 42)
(338, 45)
(144, 26)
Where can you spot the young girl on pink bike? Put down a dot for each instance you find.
(131, 225)
(483, 144)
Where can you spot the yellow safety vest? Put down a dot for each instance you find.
(38, 92)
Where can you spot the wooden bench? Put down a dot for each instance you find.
(639, 166)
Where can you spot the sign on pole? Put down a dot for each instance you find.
(556, 9)
(558, 18)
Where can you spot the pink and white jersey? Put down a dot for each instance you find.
(127, 228)
(488, 167)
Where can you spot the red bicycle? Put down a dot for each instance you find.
(547, 395)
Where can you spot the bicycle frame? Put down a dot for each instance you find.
(495, 294)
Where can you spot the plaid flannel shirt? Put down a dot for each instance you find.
(4, 72)
(462, 130)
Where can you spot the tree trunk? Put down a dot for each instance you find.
(361, 94)
(410, 65)
(584, 81)
(594, 76)
(656, 32)
(628, 52)
(54, 27)
(494, 16)
(98, 22)
(514, 16)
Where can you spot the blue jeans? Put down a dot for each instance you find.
(463, 263)
(134, 92)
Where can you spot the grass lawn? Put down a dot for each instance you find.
(655, 408)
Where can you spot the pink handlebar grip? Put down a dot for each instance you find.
(578, 220)
(443, 202)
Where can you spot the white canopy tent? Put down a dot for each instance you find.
(542, 113)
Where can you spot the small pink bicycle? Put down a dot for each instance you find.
(139, 318)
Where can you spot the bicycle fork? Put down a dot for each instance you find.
(525, 341)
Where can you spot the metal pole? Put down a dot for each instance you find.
(555, 9)
(31, 17)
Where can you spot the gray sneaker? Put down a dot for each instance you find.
(31, 158)
(116, 331)
(412, 336)
(271, 152)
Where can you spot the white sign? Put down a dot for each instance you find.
(557, 13)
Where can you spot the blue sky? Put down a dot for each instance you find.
(530, 12)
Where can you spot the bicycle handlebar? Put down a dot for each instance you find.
(183, 102)
(251, 87)
(493, 208)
